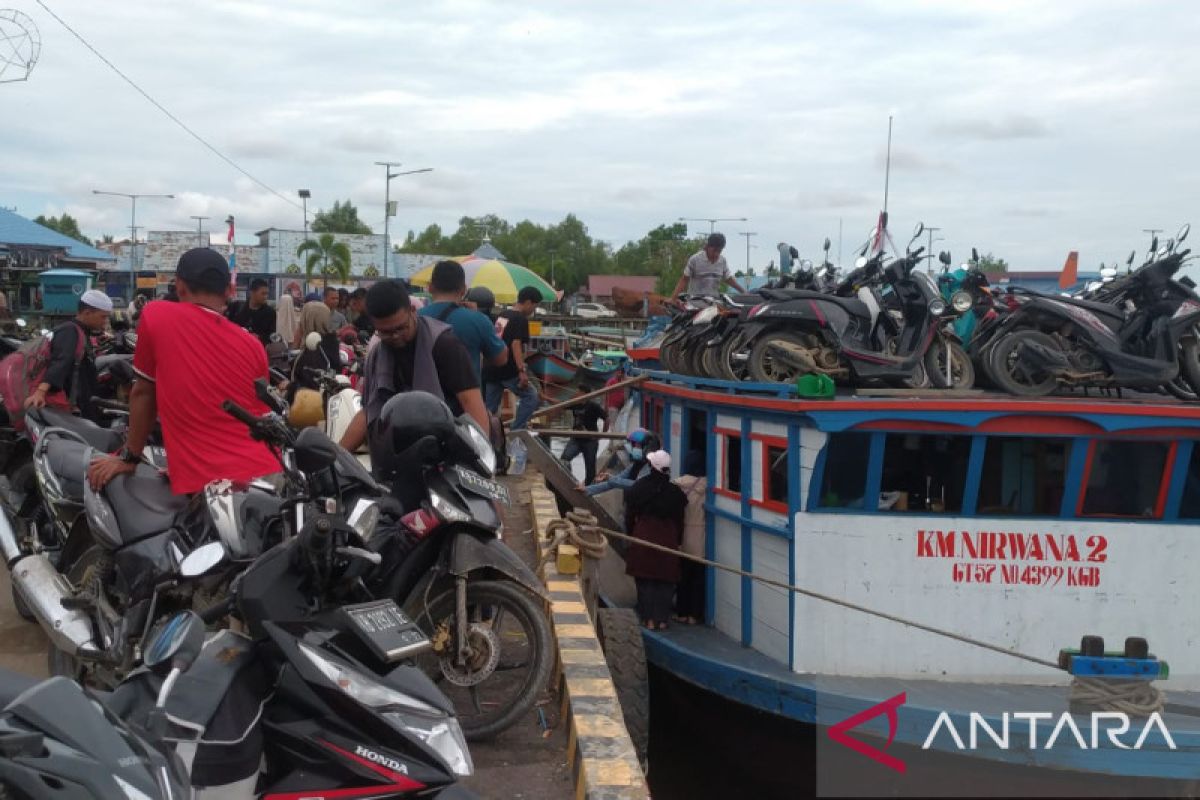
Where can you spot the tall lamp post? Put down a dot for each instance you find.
(748, 234)
(712, 221)
(388, 212)
(199, 229)
(304, 194)
(133, 198)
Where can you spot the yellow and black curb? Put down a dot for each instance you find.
(602, 756)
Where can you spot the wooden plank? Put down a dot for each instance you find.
(574, 401)
(568, 433)
(560, 478)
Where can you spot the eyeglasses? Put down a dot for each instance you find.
(395, 332)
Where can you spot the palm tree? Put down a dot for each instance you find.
(331, 256)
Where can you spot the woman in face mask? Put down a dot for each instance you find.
(638, 444)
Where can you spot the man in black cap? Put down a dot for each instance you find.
(189, 360)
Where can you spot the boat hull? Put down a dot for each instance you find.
(552, 368)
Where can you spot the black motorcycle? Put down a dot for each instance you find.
(1058, 340)
(850, 337)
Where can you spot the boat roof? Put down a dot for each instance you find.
(940, 409)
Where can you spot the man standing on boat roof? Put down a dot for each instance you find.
(706, 270)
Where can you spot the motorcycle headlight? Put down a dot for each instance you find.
(443, 736)
(446, 509)
(937, 307)
(961, 301)
(481, 445)
(366, 689)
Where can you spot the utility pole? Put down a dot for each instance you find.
(748, 234)
(389, 210)
(712, 221)
(887, 170)
(929, 251)
(552, 251)
(199, 229)
(133, 198)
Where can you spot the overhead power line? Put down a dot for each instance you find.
(164, 110)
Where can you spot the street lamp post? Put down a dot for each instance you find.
(304, 194)
(133, 198)
(199, 229)
(552, 252)
(748, 234)
(387, 205)
(712, 221)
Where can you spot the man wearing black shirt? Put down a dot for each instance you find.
(72, 368)
(255, 315)
(413, 354)
(587, 418)
(513, 328)
(359, 317)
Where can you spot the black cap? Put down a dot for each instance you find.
(204, 269)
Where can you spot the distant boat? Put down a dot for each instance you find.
(552, 368)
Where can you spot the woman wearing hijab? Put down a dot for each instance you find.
(287, 322)
(654, 512)
(316, 317)
(689, 599)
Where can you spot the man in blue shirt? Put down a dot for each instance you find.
(448, 286)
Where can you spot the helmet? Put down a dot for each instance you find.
(716, 240)
(307, 409)
(406, 418)
(640, 442)
(482, 297)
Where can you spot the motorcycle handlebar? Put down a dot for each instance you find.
(240, 414)
(215, 613)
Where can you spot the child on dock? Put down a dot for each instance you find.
(654, 510)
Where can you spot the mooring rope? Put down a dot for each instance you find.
(581, 528)
(1137, 698)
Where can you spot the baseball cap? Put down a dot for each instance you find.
(203, 268)
(94, 298)
(660, 460)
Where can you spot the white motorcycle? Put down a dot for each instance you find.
(332, 406)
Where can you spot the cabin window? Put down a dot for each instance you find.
(924, 472)
(1124, 478)
(1189, 507)
(844, 478)
(775, 485)
(731, 465)
(1023, 476)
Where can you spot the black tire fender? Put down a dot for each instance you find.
(620, 636)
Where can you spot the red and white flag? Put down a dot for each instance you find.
(232, 252)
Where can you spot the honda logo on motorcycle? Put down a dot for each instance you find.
(380, 759)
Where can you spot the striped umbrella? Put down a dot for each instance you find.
(504, 278)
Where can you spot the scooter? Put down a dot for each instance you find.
(1053, 340)
(841, 336)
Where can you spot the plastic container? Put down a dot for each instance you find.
(815, 386)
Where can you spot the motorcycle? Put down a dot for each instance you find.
(1053, 340)
(857, 338)
(442, 560)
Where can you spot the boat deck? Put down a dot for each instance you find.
(707, 658)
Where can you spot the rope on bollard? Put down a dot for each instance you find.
(589, 525)
(579, 528)
(1137, 698)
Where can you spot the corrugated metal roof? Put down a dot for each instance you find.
(16, 230)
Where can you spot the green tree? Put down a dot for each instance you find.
(105, 239)
(990, 263)
(342, 218)
(66, 225)
(333, 257)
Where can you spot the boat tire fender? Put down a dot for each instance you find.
(620, 635)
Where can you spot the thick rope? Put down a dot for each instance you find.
(593, 530)
(1137, 698)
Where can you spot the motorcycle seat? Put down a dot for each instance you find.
(103, 439)
(68, 459)
(1091, 305)
(107, 361)
(143, 503)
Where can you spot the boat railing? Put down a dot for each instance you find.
(786, 390)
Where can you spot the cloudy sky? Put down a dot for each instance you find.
(1026, 129)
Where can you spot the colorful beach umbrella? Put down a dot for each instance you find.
(504, 278)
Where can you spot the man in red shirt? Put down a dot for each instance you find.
(189, 359)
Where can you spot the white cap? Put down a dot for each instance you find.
(94, 298)
(660, 460)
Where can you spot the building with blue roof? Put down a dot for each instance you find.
(28, 249)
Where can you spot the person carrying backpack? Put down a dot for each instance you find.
(448, 287)
(70, 376)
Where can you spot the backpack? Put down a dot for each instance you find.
(23, 370)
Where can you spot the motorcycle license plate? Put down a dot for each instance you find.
(481, 485)
(386, 630)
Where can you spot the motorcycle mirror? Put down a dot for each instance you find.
(175, 642)
(202, 559)
(945, 258)
(917, 231)
(1154, 243)
(860, 262)
(314, 450)
(1163, 251)
(1132, 256)
(827, 244)
(1183, 233)
(312, 341)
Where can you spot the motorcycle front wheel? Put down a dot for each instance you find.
(1010, 370)
(510, 655)
(962, 371)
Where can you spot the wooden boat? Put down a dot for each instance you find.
(552, 368)
(1008, 528)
